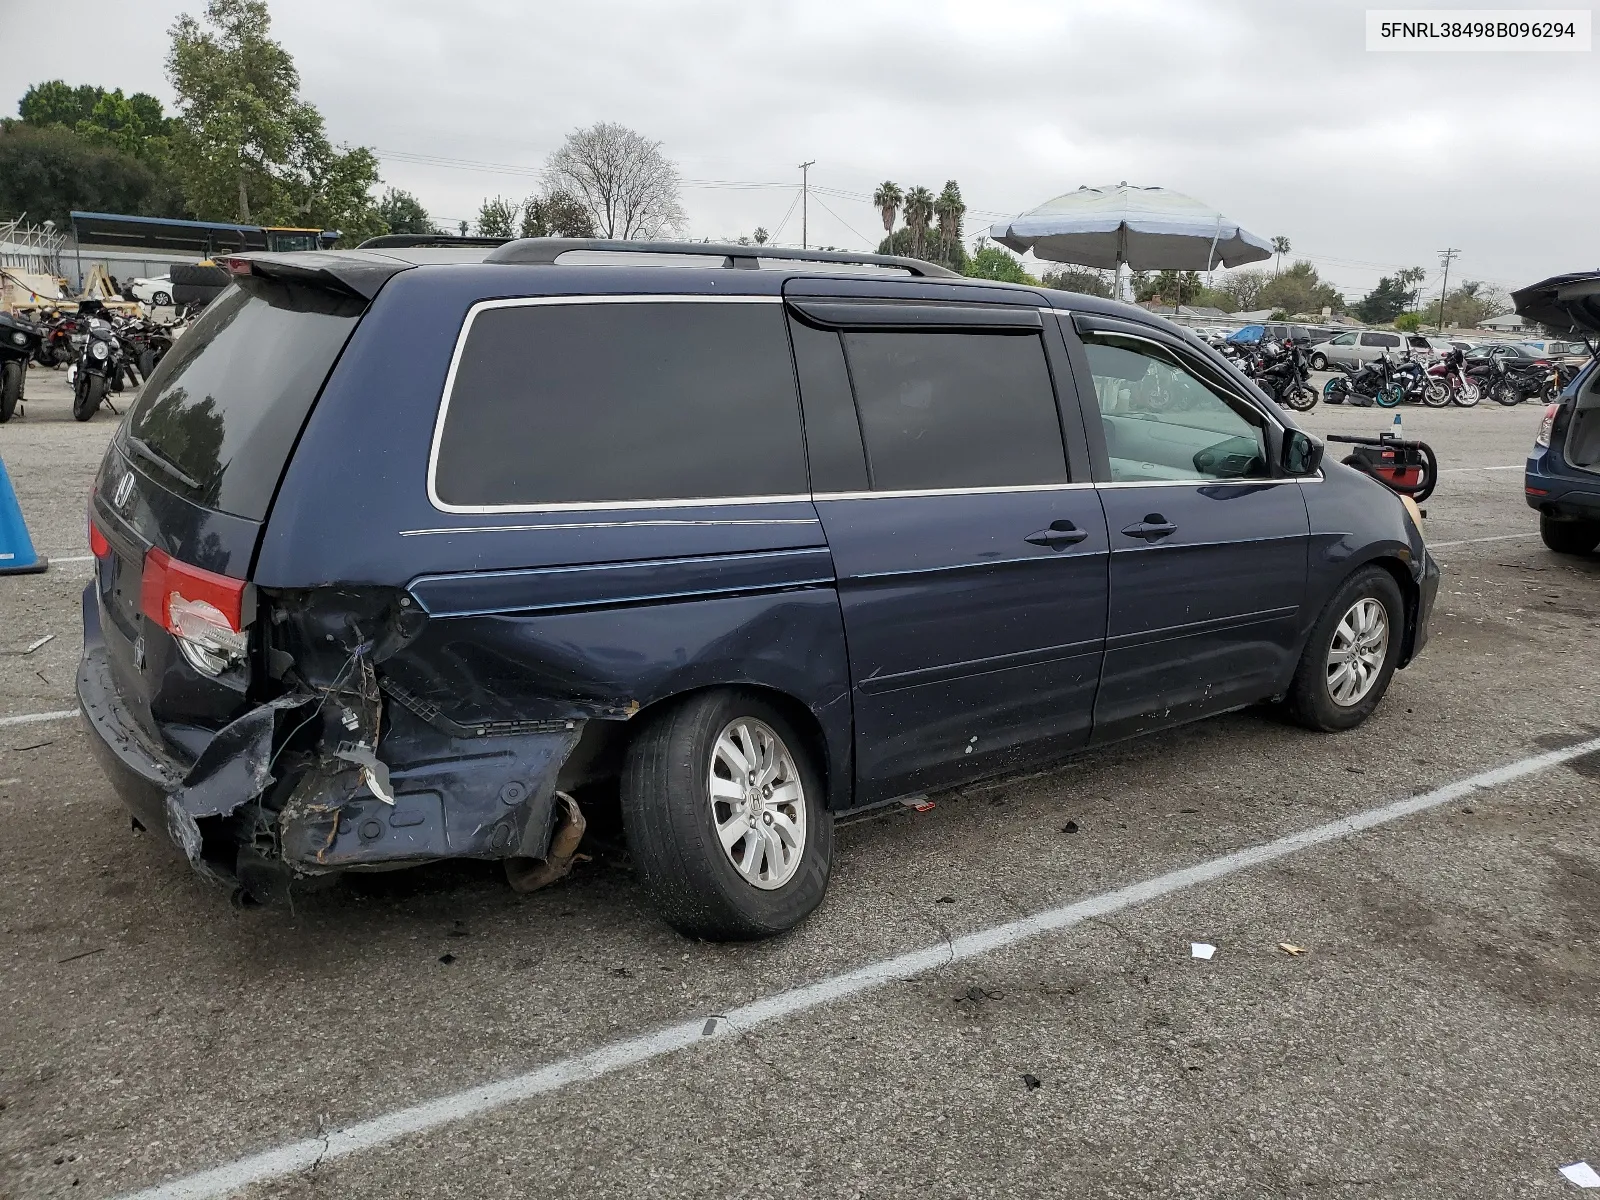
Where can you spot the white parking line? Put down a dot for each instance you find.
(1499, 537)
(73, 558)
(35, 718)
(475, 1102)
(1459, 470)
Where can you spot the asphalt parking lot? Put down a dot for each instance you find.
(1440, 1034)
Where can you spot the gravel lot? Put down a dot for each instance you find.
(1440, 1036)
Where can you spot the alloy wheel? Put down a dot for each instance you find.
(758, 803)
(1356, 654)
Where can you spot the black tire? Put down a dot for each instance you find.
(667, 814)
(11, 378)
(161, 300)
(1301, 397)
(147, 363)
(1508, 394)
(198, 275)
(87, 392)
(1310, 700)
(1319, 362)
(1569, 537)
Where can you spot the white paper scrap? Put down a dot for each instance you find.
(1582, 1174)
(1202, 949)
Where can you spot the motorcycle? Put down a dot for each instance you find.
(55, 347)
(1370, 383)
(1411, 377)
(98, 370)
(1282, 372)
(19, 339)
(1514, 382)
(146, 343)
(1556, 382)
(1449, 380)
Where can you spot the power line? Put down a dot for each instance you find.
(1446, 256)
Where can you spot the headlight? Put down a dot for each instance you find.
(99, 350)
(19, 338)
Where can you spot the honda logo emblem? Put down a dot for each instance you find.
(119, 498)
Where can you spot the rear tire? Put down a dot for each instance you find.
(672, 819)
(1508, 394)
(11, 377)
(1569, 537)
(1319, 362)
(161, 300)
(87, 392)
(1341, 638)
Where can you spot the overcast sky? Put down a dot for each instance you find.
(1272, 112)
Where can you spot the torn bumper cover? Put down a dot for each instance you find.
(257, 809)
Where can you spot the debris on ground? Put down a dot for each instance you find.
(44, 641)
(1291, 949)
(1070, 827)
(920, 803)
(1582, 1174)
(1201, 950)
(447, 959)
(945, 900)
(1032, 1082)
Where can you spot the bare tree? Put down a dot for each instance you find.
(622, 180)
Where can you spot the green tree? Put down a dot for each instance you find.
(1408, 322)
(1243, 288)
(1299, 289)
(246, 146)
(402, 212)
(555, 214)
(47, 172)
(1280, 247)
(951, 210)
(623, 182)
(993, 262)
(761, 237)
(498, 218)
(1077, 279)
(919, 214)
(888, 199)
(1170, 287)
(57, 103)
(1411, 278)
(1470, 304)
(900, 243)
(1385, 302)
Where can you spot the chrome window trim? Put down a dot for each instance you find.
(910, 493)
(1200, 481)
(645, 524)
(582, 505)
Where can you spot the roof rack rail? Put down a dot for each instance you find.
(547, 250)
(394, 241)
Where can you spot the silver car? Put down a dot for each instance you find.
(1355, 349)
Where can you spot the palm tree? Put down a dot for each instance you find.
(888, 198)
(919, 212)
(1280, 247)
(950, 208)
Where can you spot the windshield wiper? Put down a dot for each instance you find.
(147, 452)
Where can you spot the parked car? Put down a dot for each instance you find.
(1249, 335)
(1562, 480)
(748, 548)
(157, 291)
(1356, 348)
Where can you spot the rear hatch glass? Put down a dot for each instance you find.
(219, 416)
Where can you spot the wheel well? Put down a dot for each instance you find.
(602, 745)
(1411, 593)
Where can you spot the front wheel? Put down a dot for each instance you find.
(11, 378)
(723, 809)
(1319, 362)
(1508, 394)
(1468, 395)
(1351, 654)
(1569, 537)
(1389, 397)
(87, 392)
(1301, 397)
(161, 300)
(1437, 395)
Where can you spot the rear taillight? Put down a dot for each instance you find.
(207, 614)
(98, 546)
(1546, 425)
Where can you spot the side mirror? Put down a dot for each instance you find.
(1302, 453)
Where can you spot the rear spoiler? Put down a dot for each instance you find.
(355, 272)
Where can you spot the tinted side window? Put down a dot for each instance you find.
(947, 410)
(833, 434)
(1345, 339)
(1388, 340)
(588, 403)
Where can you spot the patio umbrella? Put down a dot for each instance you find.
(1145, 228)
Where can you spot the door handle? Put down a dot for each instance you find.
(1060, 534)
(1153, 527)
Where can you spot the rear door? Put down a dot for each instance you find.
(1208, 561)
(970, 557)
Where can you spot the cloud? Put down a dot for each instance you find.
(1274, 113)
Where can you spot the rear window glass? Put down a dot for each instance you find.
(592, 403)
(217, 419)
(953, 410)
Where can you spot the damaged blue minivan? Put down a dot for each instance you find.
(405, 551)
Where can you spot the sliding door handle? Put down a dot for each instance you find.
(1059, 535)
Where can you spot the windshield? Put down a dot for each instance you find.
(220, 414)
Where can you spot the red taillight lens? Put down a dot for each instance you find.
(98, 546)
(205, 613)
(1546, 425)
(239, 266)
(166, 579)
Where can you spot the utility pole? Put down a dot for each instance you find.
(1445, 256)
(805, 200)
